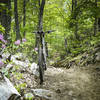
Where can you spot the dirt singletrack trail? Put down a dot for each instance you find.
(75, 83)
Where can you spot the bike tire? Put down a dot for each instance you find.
(41, 69)
(41, 72)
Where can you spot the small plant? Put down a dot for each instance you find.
(29, 96)
(21, 86)
(5, 72)
(18, 75)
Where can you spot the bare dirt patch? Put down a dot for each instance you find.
(75, 83)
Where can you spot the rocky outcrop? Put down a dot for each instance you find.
(7, 90)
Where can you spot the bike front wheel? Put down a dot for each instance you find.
(41, 69)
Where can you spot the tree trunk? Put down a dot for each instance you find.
(40, 23)
(65, 44)
(46, 46)
(40, 26)
(99, 24)
(24, 17)
(18, 36)
(76, 23)
(96, 21)
(72, 5)
(37, 35)
(5, 18)
(8, 28)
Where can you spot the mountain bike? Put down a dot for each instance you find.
(42, 54)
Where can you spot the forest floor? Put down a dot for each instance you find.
(76, 83)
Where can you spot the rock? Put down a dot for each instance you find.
(46, 94)
(5, 56)
(70, 93)
(35, 69)
(96, 50)
(9, 66)
(97, 57)
(19, 56)
(20, 63)
(29, 96)
(20, 60)
(7, 89)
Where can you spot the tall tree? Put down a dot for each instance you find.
(18, 36)
(5, 17)
(72, 5)
(24, 15)
(40, 19)
(96, 20)
(76, 23)
(40, 24)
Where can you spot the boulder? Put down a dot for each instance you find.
(7, 90)
(21, 63)
(35, 69)
(97, 57)
(19, 56)
(46, 94)
(17, 60)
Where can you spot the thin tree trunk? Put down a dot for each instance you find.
(65, 44)
(24, 18)
(72, 5)
(76, 23)
(99, 24)
(18, 36)
(40, 23)
(4, 18)
(96, 21)
(37, 35)
(40, 26)
(8, 28)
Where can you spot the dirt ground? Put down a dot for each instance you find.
(75, 83)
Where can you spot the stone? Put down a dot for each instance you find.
(9, 66)
(97, 57)
(47, 94)
(29, 96)
(21, 63)
(18, 56)
(35, 69)
(6, 88)
(5, 55)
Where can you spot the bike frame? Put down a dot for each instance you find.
(42, 53)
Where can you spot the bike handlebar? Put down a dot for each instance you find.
(39, 32)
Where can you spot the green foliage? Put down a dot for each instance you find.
(5, 72)
(2, 29)
(29, 96)
(58, 15)
(21, 86)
